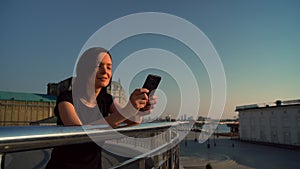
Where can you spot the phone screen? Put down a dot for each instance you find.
(152, 82)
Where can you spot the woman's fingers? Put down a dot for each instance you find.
(139, 98)
(153, 100)
(148, 109)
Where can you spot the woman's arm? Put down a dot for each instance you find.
(68, 114)
(137, 118)
(119, 114)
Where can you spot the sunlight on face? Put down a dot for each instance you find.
(104, 70)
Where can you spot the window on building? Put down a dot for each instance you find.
(285, 121)
(274, 136)
(273, 122)
(262, 135)
(298, 121)
(287, 137)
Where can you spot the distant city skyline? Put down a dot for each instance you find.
(257, 42)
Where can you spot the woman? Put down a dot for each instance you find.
(89, 103)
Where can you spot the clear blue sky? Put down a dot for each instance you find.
(257, 41)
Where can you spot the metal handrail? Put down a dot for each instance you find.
(16, 139)
(162, 148)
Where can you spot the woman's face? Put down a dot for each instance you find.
(104, 70)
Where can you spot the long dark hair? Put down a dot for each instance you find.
(87, 62)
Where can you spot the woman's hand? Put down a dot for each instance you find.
(132, 111)
(148, 109)
(140, 101)
(139, 98)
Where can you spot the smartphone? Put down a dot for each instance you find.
(151, 83)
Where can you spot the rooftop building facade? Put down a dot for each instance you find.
(19, 109)
(275, 123)
(54, 89)
(117, 91)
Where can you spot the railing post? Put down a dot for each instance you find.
(142, 163)
(2, 161)
(168, 136)
(153, 141)
(156, 161)
(166, 156)
(177, 156)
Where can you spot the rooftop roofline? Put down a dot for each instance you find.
(25, 96)
(277, 103)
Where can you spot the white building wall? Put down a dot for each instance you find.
(279, 124)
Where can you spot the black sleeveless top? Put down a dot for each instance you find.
(85, 155)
